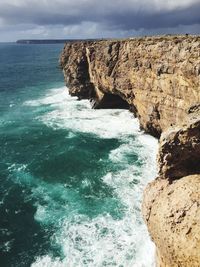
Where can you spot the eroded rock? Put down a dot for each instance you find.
(179, 151)
(172, 214)
(158, 76)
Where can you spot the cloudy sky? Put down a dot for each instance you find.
(26, 19)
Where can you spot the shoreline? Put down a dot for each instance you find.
(159, 79)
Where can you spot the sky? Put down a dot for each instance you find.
(67, 19)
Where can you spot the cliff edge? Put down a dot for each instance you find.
(158, 79)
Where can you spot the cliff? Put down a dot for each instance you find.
(171, 205)
(158, 79)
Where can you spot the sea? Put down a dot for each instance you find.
(71, 177)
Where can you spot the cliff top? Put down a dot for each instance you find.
(160, 38)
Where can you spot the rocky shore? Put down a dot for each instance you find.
(158, 79)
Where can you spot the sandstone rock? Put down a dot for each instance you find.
(157, 76)
(171, 204)
(179, 152)
(172, 213)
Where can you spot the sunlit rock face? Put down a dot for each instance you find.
(158, 77)
(171, 205)
(172, 214)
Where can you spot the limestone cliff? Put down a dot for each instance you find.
(157, 78)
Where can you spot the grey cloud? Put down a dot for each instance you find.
(113, 13)
(153, 20)
(125, 17)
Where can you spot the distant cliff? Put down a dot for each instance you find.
(49, 41)
(158, 79)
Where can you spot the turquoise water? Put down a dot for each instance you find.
(71, 177)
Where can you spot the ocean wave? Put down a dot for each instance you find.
(68, 113)
(103, 239)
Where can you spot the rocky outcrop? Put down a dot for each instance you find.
(172, 213)
(158, 79)
(171, 205)
(179, 150)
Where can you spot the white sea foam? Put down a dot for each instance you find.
(79, 117)
(103, 240)
(53, 96)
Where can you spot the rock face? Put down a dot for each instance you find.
(179, 151)
(171, 205)
(172, 213)
(158, 79)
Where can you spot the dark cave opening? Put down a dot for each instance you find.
(110, 101)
